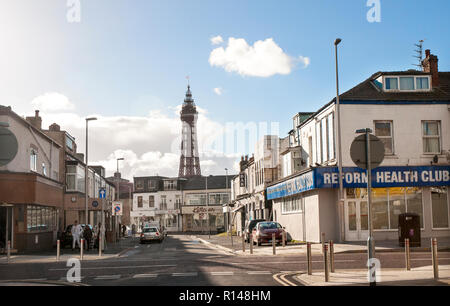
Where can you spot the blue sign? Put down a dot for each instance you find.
(102, 193)
(94, 203)
(382, 177)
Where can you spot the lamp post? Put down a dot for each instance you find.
(181, 179)
(86, 173)
(117, 188)
(228, 202)
(339, 142)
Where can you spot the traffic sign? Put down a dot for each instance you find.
(94, 203)
(8, 146)
(358, 151)
(117, 209)
(102, 193)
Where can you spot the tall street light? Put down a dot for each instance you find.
(339, 142)
(86, 172)
(228, 202)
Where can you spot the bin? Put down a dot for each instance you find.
(409, 227)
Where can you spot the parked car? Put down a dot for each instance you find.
(249, 225)
(263, 231)
(151, 233)
(65, 237)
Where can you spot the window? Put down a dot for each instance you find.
(196, 199)
(69, 143)
(431, 137)
(383, 130)
(422, 83)
(33, 160)
(177, 201)
(151, 184)
(139, 199)
(391, 83)
(151, 201)
(40, 218)
(75, 178)
(324, 139)
(407, 83)
(218, 198)
(331, 149)
(139, 185)
(439, 207)
(170, 185)
(291, 205)
(163, 205)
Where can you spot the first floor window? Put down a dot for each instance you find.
(151, 201)
(431, 137)
(139, 199)
(439, 200)
(383, 130)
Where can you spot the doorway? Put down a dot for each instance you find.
(356, 220)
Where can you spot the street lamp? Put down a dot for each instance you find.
(339, 142)
(86, 172)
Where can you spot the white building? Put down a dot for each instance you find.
(409, 112)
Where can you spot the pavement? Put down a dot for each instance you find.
(225, 243)
(112, 250)
(422, 276)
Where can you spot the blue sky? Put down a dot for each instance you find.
(127, 58)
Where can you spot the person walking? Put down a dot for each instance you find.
(124, 230)
(76, 233)
(87, 235)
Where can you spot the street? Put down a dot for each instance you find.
(181, 260)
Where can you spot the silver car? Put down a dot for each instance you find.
(151, 234)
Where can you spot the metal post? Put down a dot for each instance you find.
(8, 251)
(81, 249)
(243, 243)
(308, 257)
(323, 241)
(331, 256)
(86, 175)
(58, 249)
(325, 261)
(274, 244)
(407, 255)
(283, 235)
(100, 240)
(435, 258)
(251, 243)
(370, 240)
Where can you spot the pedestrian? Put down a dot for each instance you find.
(124, 230)
(87, 235)
(76, 233)
(99, 235)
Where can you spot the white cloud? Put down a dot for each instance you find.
(218, 91)
(52, 101)
(263, 59)
(217, 40)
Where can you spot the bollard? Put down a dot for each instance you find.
(435, 258)
(58, 249)
(100, 246)
(8, 251)
(325, 261)
(407, 255)
(308, 257)
(331, 256)
(81, 249)
(283, 238)
(243, 243)
(274, 244)
(323, 241)
(251, 243)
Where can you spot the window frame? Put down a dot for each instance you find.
(391, 122)
(448, 211)
(415, 77)
(439, 136)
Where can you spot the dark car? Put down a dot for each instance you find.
(65, 237)
(249, 225)
(263, 231)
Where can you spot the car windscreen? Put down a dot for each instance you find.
(264, 226)
(150, 230)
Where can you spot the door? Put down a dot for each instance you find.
(356, 220)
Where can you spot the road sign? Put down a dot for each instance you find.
(358, 151)
(94, 203)
(102, 193)
(8, 146)
(117, 209)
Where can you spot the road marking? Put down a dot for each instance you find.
(145, 275)
(122, 267)
(104, 277)
(283, 277)
(259, 272)
(185, 274)
(222, 273)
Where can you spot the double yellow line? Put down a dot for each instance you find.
(281, 278)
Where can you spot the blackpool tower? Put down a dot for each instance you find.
(189, 159)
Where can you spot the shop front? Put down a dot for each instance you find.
(195, 218)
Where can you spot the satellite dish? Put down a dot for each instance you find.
(8, 146)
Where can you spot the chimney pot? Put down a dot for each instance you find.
(36, 113)
(427, 52)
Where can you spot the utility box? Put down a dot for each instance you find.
(409, 227)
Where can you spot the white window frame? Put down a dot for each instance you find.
(406, 76)
(33, 160)
(448, 211)
(391, 122)
(428, 136)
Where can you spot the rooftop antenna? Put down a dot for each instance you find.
(419, 52)
(187, 77)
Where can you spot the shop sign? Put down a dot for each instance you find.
(293, 186)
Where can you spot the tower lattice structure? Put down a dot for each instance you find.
(189, 159)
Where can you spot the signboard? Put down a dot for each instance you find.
(201, 209)
(102, 193)
(358, 151)
(117, 208)
(94, 204)
(242, 181)
(353, 177)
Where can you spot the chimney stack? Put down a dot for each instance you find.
(35, 121)
(55, 128)
(430, 65)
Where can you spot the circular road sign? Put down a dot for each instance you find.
(8, 146)
(358, 151)
(94, 204)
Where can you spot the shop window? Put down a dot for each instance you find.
(383, 130)
(40, 218)
(431, 137)
(380, 208)
(439, 207)
(414, 202)
(397, 205)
